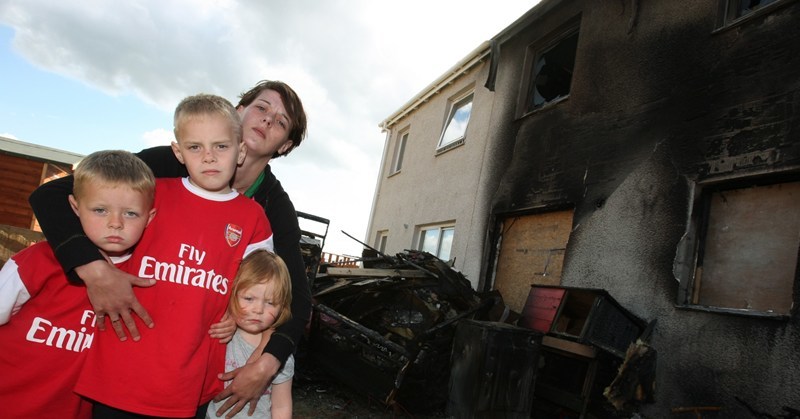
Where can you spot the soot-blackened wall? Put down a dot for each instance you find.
(661, 97)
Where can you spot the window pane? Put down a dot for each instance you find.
(748, 6)
(457, 121)
(552, 72)
(446, 243)
(382, 242)
(430, 241)
(398, 153)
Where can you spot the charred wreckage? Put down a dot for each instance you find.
(410, 331)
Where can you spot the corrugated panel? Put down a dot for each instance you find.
(541, 308)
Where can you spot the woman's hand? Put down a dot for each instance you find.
(110, 291)
(248, 384)
(223, 330)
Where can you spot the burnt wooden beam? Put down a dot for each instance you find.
(375, 272)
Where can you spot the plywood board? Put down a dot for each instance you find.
(531, 252)
(751, 248)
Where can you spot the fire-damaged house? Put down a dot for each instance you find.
(641, 155)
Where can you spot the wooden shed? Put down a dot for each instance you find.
(25, 166)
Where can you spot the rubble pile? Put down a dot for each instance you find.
(387, 330)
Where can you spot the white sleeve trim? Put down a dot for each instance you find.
(264, 244)
(13, 293)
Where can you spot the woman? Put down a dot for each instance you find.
(273, 124)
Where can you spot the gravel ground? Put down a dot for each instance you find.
(317, 395)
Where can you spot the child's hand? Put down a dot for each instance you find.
(224, 329)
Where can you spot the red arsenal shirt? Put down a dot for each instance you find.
(46, 325)
(192, 248)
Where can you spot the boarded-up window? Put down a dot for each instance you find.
(531, 252)
(747, 248)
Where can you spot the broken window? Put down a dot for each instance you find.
(437, 240)
(399, 149)
(747, 239)
(455, 127)
(551, 72)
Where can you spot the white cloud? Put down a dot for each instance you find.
(158, 137)
(352, 62)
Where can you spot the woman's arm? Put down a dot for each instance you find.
(286, 236)
(162, 162)
(61, 226)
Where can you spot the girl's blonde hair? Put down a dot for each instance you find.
(261, 267)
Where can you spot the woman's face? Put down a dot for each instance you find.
(265, 125)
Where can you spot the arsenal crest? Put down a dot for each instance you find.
(233, 234)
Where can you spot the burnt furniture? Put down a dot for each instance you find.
(312, 242)
(492, 370)
(587, 335)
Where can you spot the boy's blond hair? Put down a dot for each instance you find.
(259, 267)
(116, 168)
(203, 105)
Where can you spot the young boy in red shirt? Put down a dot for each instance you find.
(46, 324)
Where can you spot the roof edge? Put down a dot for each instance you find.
(463, 66)
(21, 148)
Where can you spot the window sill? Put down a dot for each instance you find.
(735, 311)
(545, 107)
(393, 174)
(750, 16)
(450, 146)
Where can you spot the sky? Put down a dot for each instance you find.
(88, 75)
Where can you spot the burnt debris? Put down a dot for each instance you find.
(387, 330)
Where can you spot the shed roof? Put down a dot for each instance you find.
(38, 152)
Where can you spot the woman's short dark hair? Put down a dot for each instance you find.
(297, 115)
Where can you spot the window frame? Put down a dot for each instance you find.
(728, 9)
(399, 151)
(381, 240)
(440, 228)
(454, 105)
(533, 54)
(690, 252)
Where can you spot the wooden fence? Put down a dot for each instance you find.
(338, 260)
(14, 239)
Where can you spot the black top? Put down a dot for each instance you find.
(72, 248)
